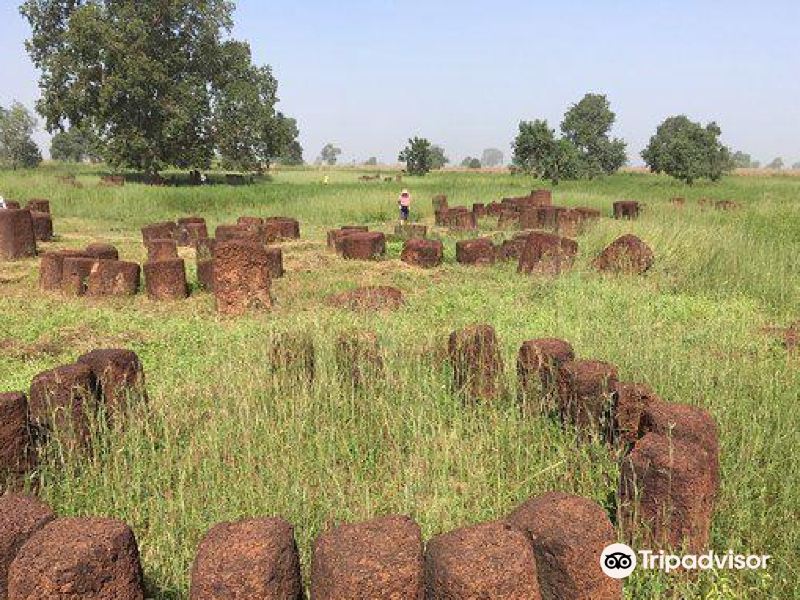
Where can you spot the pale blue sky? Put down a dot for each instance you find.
(367, 74)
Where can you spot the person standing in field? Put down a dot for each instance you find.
(405, 205)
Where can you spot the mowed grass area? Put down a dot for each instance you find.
(225, 438)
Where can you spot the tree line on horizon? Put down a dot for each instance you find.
(155, 85)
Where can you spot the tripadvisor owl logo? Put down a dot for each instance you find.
(618, 561)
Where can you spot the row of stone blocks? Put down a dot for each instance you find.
(70, 400)
(547, 548)
(20, 229)
(670, 477)
(541, 252)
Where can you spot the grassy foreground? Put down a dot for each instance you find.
(224, 438)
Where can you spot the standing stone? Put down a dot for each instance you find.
(626, 209)
(21, 516)
(666, 494)
(632, 399)
(242, 279)
(15, 435)
(358, 358)
(538, 366)
(166, 279)
(17, 237)
(381, 558)
(547, 253)
(38, 205)
(75, 275)
(205, 274)
(253, 559)
(42, 226)
(114, 278)
(189, 230)
(586, 395)
(474, 354)
(423, 253)
(120, 377)
(626, 254)
(101, 252)
(161, 249)
(363, 245)
(479, 251)
(492, 561)
(159, 231)
(51, 268)
(275, 262)
(281, 228)
(568, 534)
(86, 558)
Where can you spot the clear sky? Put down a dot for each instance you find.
(367, 74)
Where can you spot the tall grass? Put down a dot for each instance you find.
(225, 437)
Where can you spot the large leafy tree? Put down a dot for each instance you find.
(17, 148)
(75, 144)
(159, 82)
(587, 125)
(492, 157)
(776, 164)
(538, 152)
(438, 158)
(688, 151)
(418, 156)
(329, 155)
(742, 160)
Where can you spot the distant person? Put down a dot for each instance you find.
(404, 201)
(326, 180)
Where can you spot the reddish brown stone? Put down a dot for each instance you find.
(159, 231)
(549, 217)
(20, 517)
(626, 209)
(493, 209)
(75, 274)
(666, 494)
(423, 253)
(166, 279)
(275, 262)
(251, 222)
(381, 558)
(459, 218)
(64, 399)
(51, 268)
(542, 197)
(17, 237)
(679, 202)
(686, 423)
(479, 210)
(474, 354)
(281, 228)
(632, 399)
(538, 364)
(508, 219)
(42, 226)
(369, 298)
(587, 395)
(369, 245)
(242, 279)
(725, 205)
(335, 235)
(439, 203)
(86, 558)
(626, 254)
(408, 231)
(227, 233)
(101, 251)
(204, 248)
(293, 354)
(15, 435)
(589, 214)
(158, 250)
(479, 251)
(491, 560)
(512, 249)
(547, 253)
(120, 378)
(570, 222)
(189, 230)
(12, 205)
(358, 357)
(205, 274)
(38, 205)
(568, 534)
(254, 559)
(114, 278)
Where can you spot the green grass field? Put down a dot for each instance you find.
(224, 438)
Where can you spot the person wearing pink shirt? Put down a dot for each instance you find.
(405, 205)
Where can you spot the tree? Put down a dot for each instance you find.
(796, 166)
(587, 125)
(688, 151)
(157, 81)
(17, 148)
(776, 164)
(371, 161)
(75, 144)
(329, 155)
(538, 152)
(438, 159)
(741, 160)
(471, 163)
(418, 156)
(292, 155)
(492, 157)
